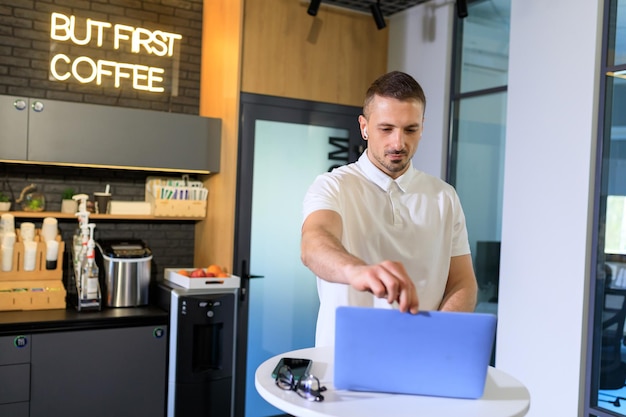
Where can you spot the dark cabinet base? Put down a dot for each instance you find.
(14, 410)
(99, 373)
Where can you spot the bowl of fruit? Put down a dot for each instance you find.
(211, 276)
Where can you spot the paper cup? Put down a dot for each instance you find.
(27, 231)
(52, 253)
(7, 258)
(49, 229)
(30, 255)
(8, 239)
(7, 223)
(102, 201)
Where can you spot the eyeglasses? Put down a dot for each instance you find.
(307, 386)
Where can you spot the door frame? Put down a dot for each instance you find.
(255, 107)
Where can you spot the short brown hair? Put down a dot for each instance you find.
(395, 84)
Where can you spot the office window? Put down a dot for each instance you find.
(477, 137)
(606, 388)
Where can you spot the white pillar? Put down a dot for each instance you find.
(548, 191)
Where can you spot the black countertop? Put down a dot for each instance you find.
(38, 321)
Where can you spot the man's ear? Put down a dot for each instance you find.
(363, 126)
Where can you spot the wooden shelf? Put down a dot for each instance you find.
(59, 215)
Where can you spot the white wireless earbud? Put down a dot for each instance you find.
(365, 133)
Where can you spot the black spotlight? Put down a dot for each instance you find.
(314, 7)
(461, 8)
(378, 15)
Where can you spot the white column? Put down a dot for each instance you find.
(548, 186)
(549, 174)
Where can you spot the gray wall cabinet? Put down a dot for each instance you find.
(58, 132)
(13, 128)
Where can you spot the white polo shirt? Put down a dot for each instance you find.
(416, 219)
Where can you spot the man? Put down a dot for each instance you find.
(380, 233)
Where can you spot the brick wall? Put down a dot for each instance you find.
(26, 49)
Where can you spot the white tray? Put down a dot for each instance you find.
(171, 275)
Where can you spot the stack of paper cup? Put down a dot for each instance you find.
(7, 223)
(49, 229)
(52, 252)
(6, 250)
(27, 232)
(30, 255)
(7, 234)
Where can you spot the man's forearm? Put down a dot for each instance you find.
(459, 299)
(324, 254)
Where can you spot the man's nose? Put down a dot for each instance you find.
(398, 140)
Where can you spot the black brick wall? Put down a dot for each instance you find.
(172, 242)
(26, 50)
(25, 53)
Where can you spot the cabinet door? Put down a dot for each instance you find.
(78, 133)
(99, 373)
(14, 349)
(14, 375)
(14, 122)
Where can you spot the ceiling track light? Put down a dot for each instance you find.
(378, 15)
(461, 8)
(314, 7)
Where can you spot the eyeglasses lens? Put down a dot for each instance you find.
(285, 379)
(307, 387)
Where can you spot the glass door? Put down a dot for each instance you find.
(284, 145)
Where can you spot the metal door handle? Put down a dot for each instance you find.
(19, 104)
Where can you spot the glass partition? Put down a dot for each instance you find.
(477, 138)
(617, 35)
(480, 143)
(607, 380)
(484, 59)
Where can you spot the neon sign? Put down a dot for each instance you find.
(136, 40)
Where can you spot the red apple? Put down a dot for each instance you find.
(198, 273)
(210, 274)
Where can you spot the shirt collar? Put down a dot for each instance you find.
(381, 179)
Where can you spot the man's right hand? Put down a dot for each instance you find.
(389, 280)
(323, 253)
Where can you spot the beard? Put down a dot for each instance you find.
(394, 166)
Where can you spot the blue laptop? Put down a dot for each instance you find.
(434, 353)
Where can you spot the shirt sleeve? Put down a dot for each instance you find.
(321, 195)
(460, 240)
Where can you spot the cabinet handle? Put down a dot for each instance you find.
(37, 106)
(19, 104)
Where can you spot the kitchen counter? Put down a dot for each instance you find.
(38, 321)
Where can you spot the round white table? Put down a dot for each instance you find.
(504, 396)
